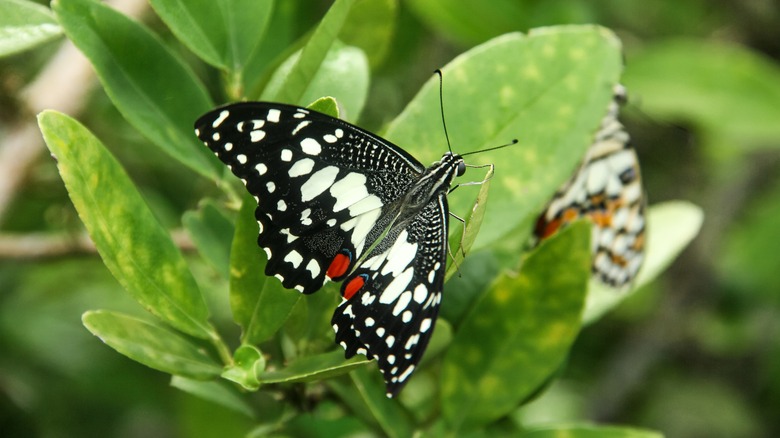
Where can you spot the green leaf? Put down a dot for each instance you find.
(24, 25)
(390, 416)
(470, 22)
(370, 26)
(211, 231)
(314, 368)
(326, 105)
(223, 33)
(343, 74)
(466, 238)
(134, 246)
(304, 68)
(588, 431)
(549, 90)
(746, 261)
(214, 391)
(153, 89)
(703, 82)
(248, 363)
(260, 304)
(670, 228)
(151, 345)
(518, 334)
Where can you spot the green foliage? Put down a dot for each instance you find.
(705, 83)
(150, 344)
(133, 245)
(25, 25)
(480, 378)
(586, 431)
(154, 90)
(510, 320)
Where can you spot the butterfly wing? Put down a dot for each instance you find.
(391, 300)
(606, 189)
(322, 185)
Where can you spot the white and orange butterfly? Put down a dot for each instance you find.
(606, 189)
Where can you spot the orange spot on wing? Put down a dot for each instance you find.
(601, 218)
(338, 267)
(619, 260)
(639, 242)
(352, 286)
(570, 215)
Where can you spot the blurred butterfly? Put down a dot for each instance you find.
(606, 189)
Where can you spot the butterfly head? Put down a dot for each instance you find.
(455, 161)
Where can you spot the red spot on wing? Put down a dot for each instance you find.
(546, 229)
(338, 267)
(352, 286)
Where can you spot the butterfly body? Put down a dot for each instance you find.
(337, 203)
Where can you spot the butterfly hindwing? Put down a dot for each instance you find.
(606, 189)
(391, 300)
(321, 185)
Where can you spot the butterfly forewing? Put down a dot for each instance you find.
(321, 185)
(606, 189)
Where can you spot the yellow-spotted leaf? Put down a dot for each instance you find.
(517, 334)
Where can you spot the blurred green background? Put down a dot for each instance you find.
(695, 354)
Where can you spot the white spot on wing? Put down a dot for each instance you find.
(241, 158)
(313, 267)
(366, 204)
(261, 169)
(406, 373)
(256, 135)
(300, 126)
(270, 186)
(320, 181)
(281, 205)
(348, 190)
(311, 146)
(402, 302)
(396, 287)
(286, 155)
(420, 292)
(401, 254)
(228, 146)
(301, 167)
(273, 115)
(222, 116)
(294, 258)
(305, 219)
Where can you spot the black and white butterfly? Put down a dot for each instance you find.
(607, 190)
(336, 202)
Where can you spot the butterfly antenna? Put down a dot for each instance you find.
(441, 105)
(514, 141)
